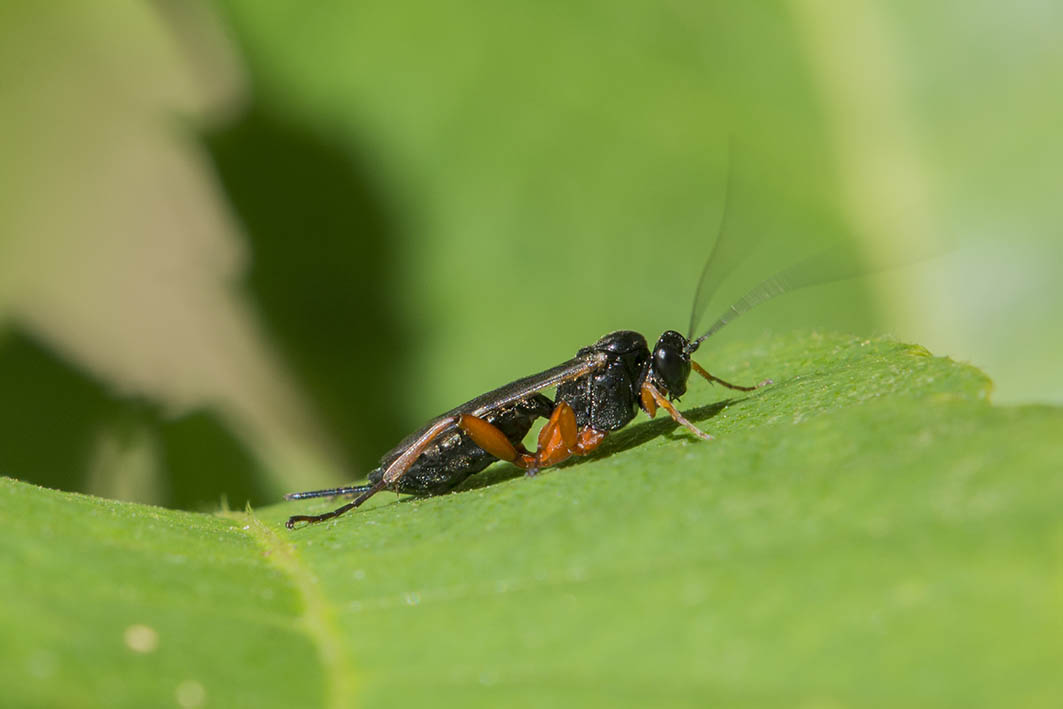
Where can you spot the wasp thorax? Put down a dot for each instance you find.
(670, 365)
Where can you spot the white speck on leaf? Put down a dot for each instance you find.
(190, 693)
(141, 638)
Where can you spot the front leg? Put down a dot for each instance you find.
(652, 398)
(712, 378)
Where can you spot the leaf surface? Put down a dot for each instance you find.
(867, 530)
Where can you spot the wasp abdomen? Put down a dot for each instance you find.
(453, 457)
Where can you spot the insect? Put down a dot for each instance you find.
(599, 390)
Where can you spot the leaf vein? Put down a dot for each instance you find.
(319, 617)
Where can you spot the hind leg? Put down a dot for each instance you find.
(559, 439)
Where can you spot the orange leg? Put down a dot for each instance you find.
(557, 439)
(650, 392)
(714, 379)
(649, 404)
(489, 437)
(589, 439)
(560, 439)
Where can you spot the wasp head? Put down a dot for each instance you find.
(670, 364)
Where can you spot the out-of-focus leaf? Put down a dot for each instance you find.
(39, 441)
(557, 172)
(62, 428)
(324, 271)
(201, 456)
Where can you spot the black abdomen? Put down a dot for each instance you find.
(453, 457)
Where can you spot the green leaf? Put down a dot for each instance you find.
(867, 530)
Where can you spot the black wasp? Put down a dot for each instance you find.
(599, 390)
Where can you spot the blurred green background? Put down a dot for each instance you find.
(245, 246)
